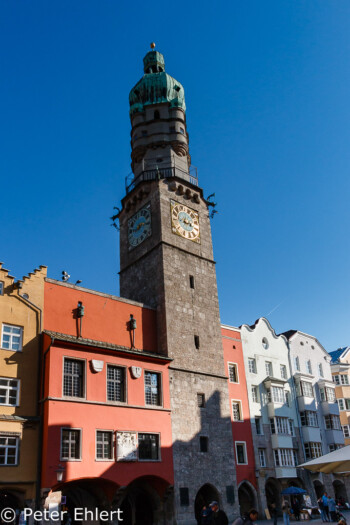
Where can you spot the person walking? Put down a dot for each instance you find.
(325, 506)
(321, 507)
(218, 516)
(296, 509)
(286, 512)
(332, 508)
(273, 513)
(248, 519)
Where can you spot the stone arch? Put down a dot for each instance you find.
(11, 498)
(273, 493)
(145, 501)
(319, 488)
(206, 494)
(246, 497)
(340, 490)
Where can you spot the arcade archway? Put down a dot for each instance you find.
(246, 497)
(319, 488)
(273, 493)
(206, 494)
(340, 490)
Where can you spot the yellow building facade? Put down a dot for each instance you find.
(340, 366)
(21, 311)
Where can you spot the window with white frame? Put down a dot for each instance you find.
(268, 368)
(233, 373)
(276, 394)
(334, 446)
(241, 453)
(297, 364)
(287, 398)
(330, 393)
(115, 383)
(313, 450)
(332, 422)
(341, 379)
(73, 377)
(9, 391)
(291, 427)
(346, 430)
(149, 449)
(308, 418)
(341, 404)
(258, 426)
(262, 457)
(283, 371)
(295, 457)
(252, 365)
(237, 411)
(320, 369)
(70, 444)
(284, 457)
(280, 425)
(306, 389)
(11, 337)
(255, 394)
(152, 389)
(9, 447)
(308, 366)
(104, 444)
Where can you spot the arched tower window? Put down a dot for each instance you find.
(156, 115)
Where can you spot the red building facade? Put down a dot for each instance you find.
(105, 404)
(240, 418)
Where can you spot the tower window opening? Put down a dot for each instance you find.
(191, 281)
(182, 131)
(156, 115)
(154, 69)
(203, 443)
(160, 69)
(196, 341)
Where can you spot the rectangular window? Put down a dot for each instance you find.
(152, 389)
(268, 368)
(252, 365)
(287, 398)
(191, 281)
(344, 379)
(308, 366)
(262, 458)
(258, 426)
(115, 383)
(9, 445)
(184, 497)
(277, 395)
(336, 379)
(291, 427)
(330, 395)
(73, 378)
(306, 389)
(283, 370)
(233, 373)
(320, 369)
(201, 400)
(295, 457)
(1, 287)
(104, 444)
(282, 425)
(241, 453)
(203, 443)
(255, 394)
(308, 418)
(272, 426)
(332, 422)
(284, 457)
(196, 341)
(237, 411)
(346, 430)
(9, 391)
(70, 444)
(11, 338)
(148, 447)
(313, 450)
(341, 404)
(296, 364)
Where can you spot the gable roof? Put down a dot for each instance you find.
(337, 354)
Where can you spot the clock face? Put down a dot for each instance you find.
(184, 221)
(139, 226)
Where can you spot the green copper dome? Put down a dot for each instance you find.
(156, 86)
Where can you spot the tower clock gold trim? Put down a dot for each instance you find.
(185, 221)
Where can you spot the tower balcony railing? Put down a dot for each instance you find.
(161, 172)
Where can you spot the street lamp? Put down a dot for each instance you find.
(59, 473)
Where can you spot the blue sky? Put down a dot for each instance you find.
(267, 91)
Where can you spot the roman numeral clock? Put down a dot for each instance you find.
(184, 221)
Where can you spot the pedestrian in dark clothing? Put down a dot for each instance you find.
(321, 507)
(248, 519)
(325, 506)
(218, 516)
(273, 513)
(296, 509)
(205, 515)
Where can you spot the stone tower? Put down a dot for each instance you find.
(167, 262)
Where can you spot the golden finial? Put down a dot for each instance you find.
(153, 45)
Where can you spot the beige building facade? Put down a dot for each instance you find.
(340, 366)
(21, 306)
